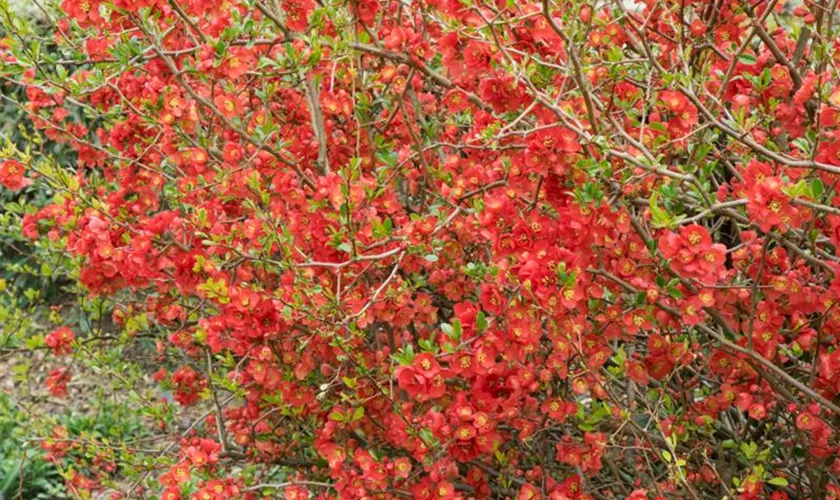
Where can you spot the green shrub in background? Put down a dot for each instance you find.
(24, 474)
(24, 266)
(33, 285)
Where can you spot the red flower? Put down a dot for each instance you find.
(465, 433)
(528, 492)
(553, 148)
(636, 372)
(334, 454)
(297, 13)
(187, 385)
(658, 367)
(57, 380)
(638, 495)
(197, 457)
(558, 410)
(807, 422)
(171, 493)
(768, 205)
(500, 92)
(492, 301)
(11, 175)
(635, 321)
(423, 379)
(757, 411)
(444, 490)
(674, 101)
(297, 493)
(402, 467)
(86, 12)
(228, 105)
(684, 112)
(426, 365)
(60, 340)
(692, 252)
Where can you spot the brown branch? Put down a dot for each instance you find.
(774, 49)
(779, 372)
(578, 73)
(317, 119)
(273, 17)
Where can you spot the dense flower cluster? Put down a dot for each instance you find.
(453, 249)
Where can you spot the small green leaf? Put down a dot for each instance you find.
(661, 218)
(817, 189)
(480, 322)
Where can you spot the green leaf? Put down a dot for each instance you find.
(480, 322)
(658, 126)
(817, 189)
(778, 481)
(661, 218)
(799, 189)
(749, 450)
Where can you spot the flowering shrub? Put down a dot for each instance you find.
(444, 248)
